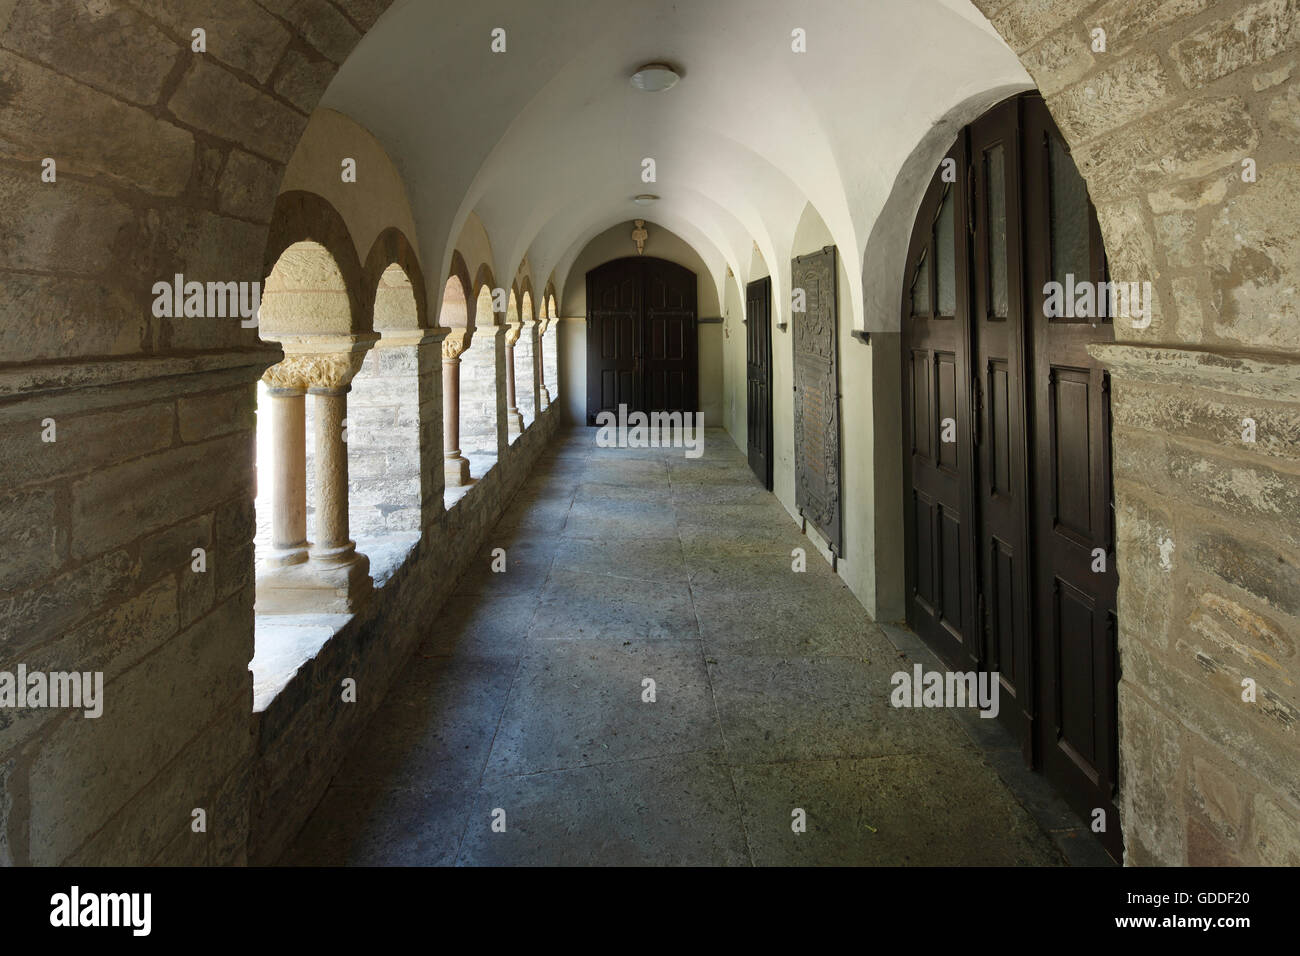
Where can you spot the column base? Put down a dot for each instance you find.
(284, 558)
(315, 588)
(456, 471)
(543, 399)
(515, 423)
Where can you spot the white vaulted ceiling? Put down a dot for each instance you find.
(545, 141)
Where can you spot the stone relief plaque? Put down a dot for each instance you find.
(817, 393)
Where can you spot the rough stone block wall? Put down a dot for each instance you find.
(305, 733)
(479, 392)
(549, 345)
(526, 376)
(384, 444)
(104, 579)
(167, 162)
(1186, 130)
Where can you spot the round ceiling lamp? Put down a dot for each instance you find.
(645, 199)
(655, 78)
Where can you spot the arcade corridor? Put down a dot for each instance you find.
(772, 694)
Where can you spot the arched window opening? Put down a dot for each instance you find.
(526, 362)
(551, 350)
(306, 559)
(514, 330)
(453, 315)
(478, 389)
(383, 426)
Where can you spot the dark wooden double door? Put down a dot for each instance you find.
(758, 378)
(642, 337)
(1008, 509)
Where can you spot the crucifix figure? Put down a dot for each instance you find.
(639, 236)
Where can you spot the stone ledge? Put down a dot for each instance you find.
(46, 377)
(284, 643)
(1273, 377)
(301, 738)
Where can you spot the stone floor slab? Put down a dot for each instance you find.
(772, 693)
(576, 703)
(675, 811)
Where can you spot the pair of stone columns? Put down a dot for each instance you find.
(327, 575)
(455, 465)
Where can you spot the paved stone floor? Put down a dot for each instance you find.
(772, 693)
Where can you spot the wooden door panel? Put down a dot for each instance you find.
(1004, 604)
(939, 537)
(670, 365)
(945, 415)
(1070, 408)
(1075, 594)
(1075, 648)
(951, 567)
(923, 562)
(921, 406)
(998, 330)
(758, 378)
(613, 330)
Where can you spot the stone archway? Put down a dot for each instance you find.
(313, 305)
(398, 489)
(483, 423)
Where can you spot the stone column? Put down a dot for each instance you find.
(514, 420)
(335, 578)
(543, 394)
(332, 545)
(455, 465)
(289, 466)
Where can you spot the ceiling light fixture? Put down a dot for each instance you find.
(645, 199)
(655, 78)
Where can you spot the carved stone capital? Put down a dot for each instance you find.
(456, 342)
(512, 334)
(319, 362)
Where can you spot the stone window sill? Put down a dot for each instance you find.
(283, 643)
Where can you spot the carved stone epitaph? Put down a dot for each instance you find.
(817, 394)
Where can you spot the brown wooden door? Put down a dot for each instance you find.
(1029, 509)
(642, 337)
(1002, 488)
(939, 502)
(1073, 523)
(670, 366)
(758, 378)
(614, 298)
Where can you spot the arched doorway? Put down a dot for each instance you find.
(642, 345)
(1006, 427)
